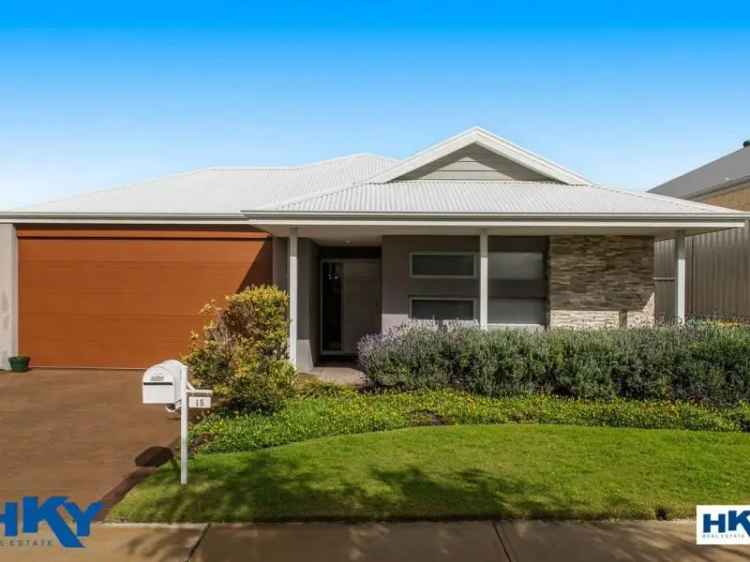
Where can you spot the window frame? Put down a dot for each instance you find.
(472, 300)
(474, 262)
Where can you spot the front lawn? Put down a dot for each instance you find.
(343, 412)
(480, 471)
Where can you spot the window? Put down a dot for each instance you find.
(516, 265)
(517, 312)
(443, 264)
(442, 309)
(517, 287)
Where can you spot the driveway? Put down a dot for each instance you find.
(78, 433)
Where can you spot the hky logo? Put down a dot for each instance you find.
(35, 513)
(722, 524)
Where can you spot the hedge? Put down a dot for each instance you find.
(700, 362)
(346, 412)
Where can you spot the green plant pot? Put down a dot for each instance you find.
(19, 363)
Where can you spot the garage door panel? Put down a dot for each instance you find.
(140, 251)
(130, 289)
(55, 276)
(114, 343)
(90, 302)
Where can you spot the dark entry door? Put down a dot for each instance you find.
(350, 303)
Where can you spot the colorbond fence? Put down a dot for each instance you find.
(718, 275)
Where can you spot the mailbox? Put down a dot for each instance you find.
(167, 383)
(162, 383)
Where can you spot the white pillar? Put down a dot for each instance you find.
(483, 278)
(679, 276)
(8, 294)
(293, 297)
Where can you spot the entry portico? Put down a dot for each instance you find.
(493, 276)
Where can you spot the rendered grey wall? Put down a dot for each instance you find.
(8, 294)
(398, 286)
(308, 302)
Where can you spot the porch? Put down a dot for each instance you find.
(344, 285)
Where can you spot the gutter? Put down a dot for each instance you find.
(125, 218)
(730, 216)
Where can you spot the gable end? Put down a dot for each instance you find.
(474, 162)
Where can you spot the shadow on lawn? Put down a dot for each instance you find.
(269, 489)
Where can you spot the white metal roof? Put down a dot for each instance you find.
(364, 184)
(521, 198)
(221, 191)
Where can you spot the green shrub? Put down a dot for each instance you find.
(348, 412)
(242, 353)
(701, 362)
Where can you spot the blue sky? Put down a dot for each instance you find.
(628, 93)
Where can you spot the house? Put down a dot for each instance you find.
(718, 283)
(473, 228)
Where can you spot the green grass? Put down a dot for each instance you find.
(508, 471)
(349, 412)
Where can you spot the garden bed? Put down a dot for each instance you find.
(345, 412)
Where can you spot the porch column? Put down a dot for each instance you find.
(483, 278)
(679, 276)
(293, 297)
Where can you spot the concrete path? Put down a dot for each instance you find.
(342, 375)
(480, 541)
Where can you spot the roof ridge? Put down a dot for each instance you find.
(300, 166)
(321, 193)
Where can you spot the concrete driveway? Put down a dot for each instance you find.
(78, 433)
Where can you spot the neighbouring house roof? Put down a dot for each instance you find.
(445, 179)
(430, 197)
(723, 172)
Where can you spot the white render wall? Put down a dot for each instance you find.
(8, 294)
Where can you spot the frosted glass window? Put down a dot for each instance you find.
(442, 309)
(443, 265)
(521, 312)
(516, 265)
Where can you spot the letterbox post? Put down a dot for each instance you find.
(184, 426)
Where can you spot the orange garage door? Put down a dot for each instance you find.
(125, 298)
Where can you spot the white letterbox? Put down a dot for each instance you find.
(162, 383)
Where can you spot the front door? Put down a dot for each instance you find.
(350, 303)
